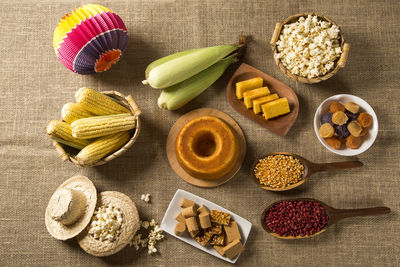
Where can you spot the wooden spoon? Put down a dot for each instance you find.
(279, 125)
(309, 169)
(335, 215)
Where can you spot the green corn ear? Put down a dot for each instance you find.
(165, 59)
(179, 67)
(178, 95)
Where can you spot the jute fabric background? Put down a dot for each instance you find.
(34, 86)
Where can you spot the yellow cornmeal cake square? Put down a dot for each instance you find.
(247, 85)
(220, 217)
(275, 108)
(262, 100)
(249, 96)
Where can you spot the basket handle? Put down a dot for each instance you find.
(343, 57)
(276, 33)
(64, 156)
(136, 109)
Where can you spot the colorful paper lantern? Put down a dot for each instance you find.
(90, 39)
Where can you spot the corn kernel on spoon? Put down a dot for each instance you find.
(309, 169)
(334, 215)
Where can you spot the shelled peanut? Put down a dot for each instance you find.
(96, 125)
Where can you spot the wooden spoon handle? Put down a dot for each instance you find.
(339, 214)
(336, 166)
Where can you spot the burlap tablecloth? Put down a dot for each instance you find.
(35, 85)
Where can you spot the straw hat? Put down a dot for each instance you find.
(71, 207)
(130, 225)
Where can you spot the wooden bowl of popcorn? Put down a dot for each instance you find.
(309, 48)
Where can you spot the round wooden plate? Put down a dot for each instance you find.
(173, 134)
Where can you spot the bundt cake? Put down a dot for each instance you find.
(207, 148)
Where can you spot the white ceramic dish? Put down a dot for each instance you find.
(168, 223)
(368, 139)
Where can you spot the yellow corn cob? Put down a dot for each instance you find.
(74, 111)
(98, 103)
(97, 126)
(61, 132)
(101, 147)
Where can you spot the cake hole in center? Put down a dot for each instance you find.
(205, 145)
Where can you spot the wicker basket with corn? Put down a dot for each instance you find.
(96, 129)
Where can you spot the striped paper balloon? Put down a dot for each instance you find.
(90, 39)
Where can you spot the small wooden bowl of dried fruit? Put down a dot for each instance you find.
(309, 48)
(346, 125)
(98, 128)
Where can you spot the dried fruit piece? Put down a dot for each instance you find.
(341, 131)
(326, 130)
(336, 106)
(353, 142)
(333, 142)
(351, 116)
(364, 131)
(364, 119)
(339, 118)
(352, 107)
(354, 128)
(327, 118)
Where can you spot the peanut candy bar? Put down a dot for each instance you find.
(220, 217)
(216, 229)
(217, 240)
(204, 238)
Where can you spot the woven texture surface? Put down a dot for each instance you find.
(35, 85)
